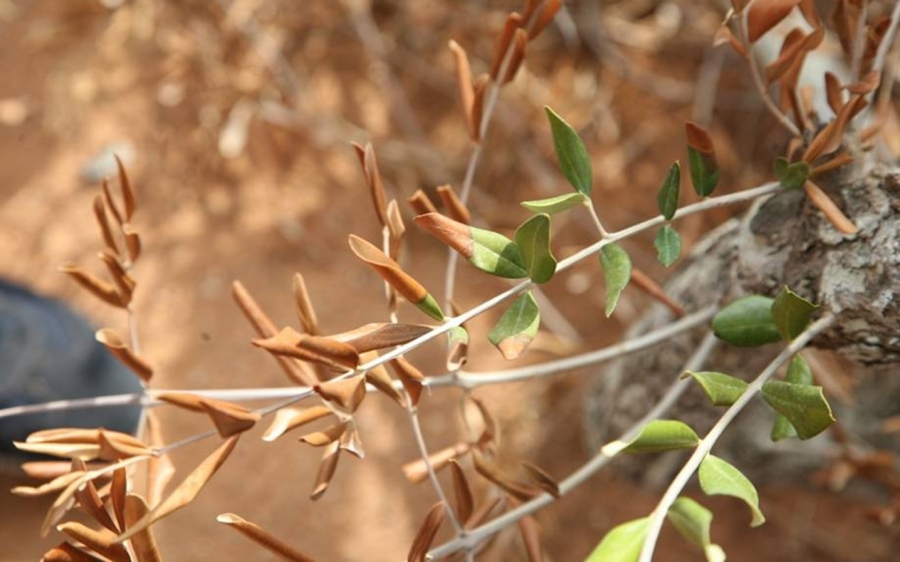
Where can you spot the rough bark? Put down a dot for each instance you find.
(780, 241)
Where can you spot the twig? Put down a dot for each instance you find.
(706, 444)
(888, 40)
(859, 41)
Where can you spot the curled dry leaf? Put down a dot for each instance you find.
(111, 203)
(464, 85)
(183, 400)
(480, 88)
(763, 15)
(83, 451)
(287, 419)
(380, 335)
(50, 470)
(299, 373)
(833, 92)
(483, 512)
(543, 480)
(347, 393)
(420, 203)
(187, 490)
(101, 289)
(160, 468)
(454, 205)
(229, 419)
(113, 447)
(520, 49)
(305, 311)
(64, 552)
(326, 469)
(513, 22)
(352, 442)
(427, 532)
(548, 12)
(143, 543)
(316, 349)
(59, 483)
(866, 84)
(531, 536)
(793, 51)
(132, 242)
(379, 378)
(493, 473)
(127, 191)
(828, 207)
(117, 491)
(396, 229)
(831, 136)
(102, 542)
(465, 502)
(490, 433)
(416, 471)
(845, 20)
(103, 224)
(327, 436)
(124, 282)
(116, 346)
(410, 376)
(262, 538)
(369, 165)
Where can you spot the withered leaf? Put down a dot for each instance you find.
(305, 311)
(795, 47)
(262, 538)
(492, 472)
(543, 480)
(98, 287)
(426, 533)
(420, 203)
(117, 491)
(866, 84)
(513, 22)
(160, 468)
(92, 505)
(143, 543)
(326, 469)
(490, 433)
(132, 242)
(833, 92)
(480, 88)
(124, 283)
(830, 138)
(111, 203)
(229, 419)
(190, 402)
(531, 536)
(520, 48)
(465, 502)
(113, 447)
(482, 513)
(127, 191)
(102, 542)
(64, 552)
(187, 490)
(380, 335)
(410, 377)
(766, 14)
(287, 419)
(103, 224)
(59, 483)
(352, 442)
(326, 436)
(416, 471)
(453, 204)
(548, 12)
(117, 347)
(316, 349)
(379, 378)
(369, 165)
(828, 207)
(347, 393)
(464, 85)
(83, 451)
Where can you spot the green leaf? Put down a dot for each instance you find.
(798, 371)
(496, 254)
(722, 389)
(693, 522)
(704, 172)
(667, 198)
(663, 435)
(616, 265)
(746, 322)
(553, 205)
(623, 543)
(718, 477)
(533, 240)
(804, 406)
(668, 245)
(517, 327)
(571, 153)
(791, 313)
(791, 176)
(430, 307)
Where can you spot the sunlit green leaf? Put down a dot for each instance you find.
(517, 327)
(616, 265)
(663, 435)
(623, 543)
(722, 389)
(496, 254)
(719, 477)
(571, 153)
(668, 245)
(553, 205)
(791, 176)
(746, 322)
(667, 198)
(791, 313)
(804, 406)
(533, 240)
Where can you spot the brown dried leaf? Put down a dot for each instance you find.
(50, 470)
(102, 542)
(763, 15)
(103, 223)
(265, 328)
(305, 310)
(61, 505)
(831, 211)
(410, 376)
(351, 441)
(420, 203)
(347, 393)
(187, 490)
(520, 49)
(491, 432)
(388, 269)
(482, 513)
(416, 471)
(550, 7)
(116, 346)
(59, 483)
(316, 349)
(380, 379)
(64, 552)
(831, 136)
(118, 489)
(866, 84)
(465, 502)
(380, 335)
(369, 165)
(160, 468)
(833, 92)
(452, 233)
(143, 543)
(396, 229)
(82, 451)
(543, 480)
(101, 289)
(327, 436)
(724, 36)
(132, 242)
(124, 283)
(114, 448)
(793, 51)
(127, 191)
(649, 286)
(288, 419)
(480, 88)
(229, 419)
(326, 469)
(531, 536)
(426, 533)
(111, 204)
(835, 162)
(464, 85)
(513, 22)
(453, 204)
(492, 472)
(190, 402)
(92, 505)
(262, 538)
(845, 20)
(808, 9)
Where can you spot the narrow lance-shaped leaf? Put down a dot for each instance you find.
(465, 501)
(533, 240)
(722, 389)
(791, 176)
(427, 532)
(553, 205)
(798, 373)
(262, 538)
(804, 406)
(623, 543)
(517, 327)
(571, 153)
(663, 435)
(693, 522)
(143, 543)
(668, 245)
(488, 251)
(746, 322)
(667, 198)
(616, 265)
(791, 313)
(719, 477)
(701, 159)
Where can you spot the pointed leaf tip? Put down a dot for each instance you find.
(571, 153)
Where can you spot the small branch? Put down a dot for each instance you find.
(596, 218)
(601, 459)
(706, 444)
(859, 42)
(888, 40)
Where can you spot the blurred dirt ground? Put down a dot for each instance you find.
(235, 120)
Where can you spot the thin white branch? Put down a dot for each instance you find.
(888, 40)
(703, 448)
